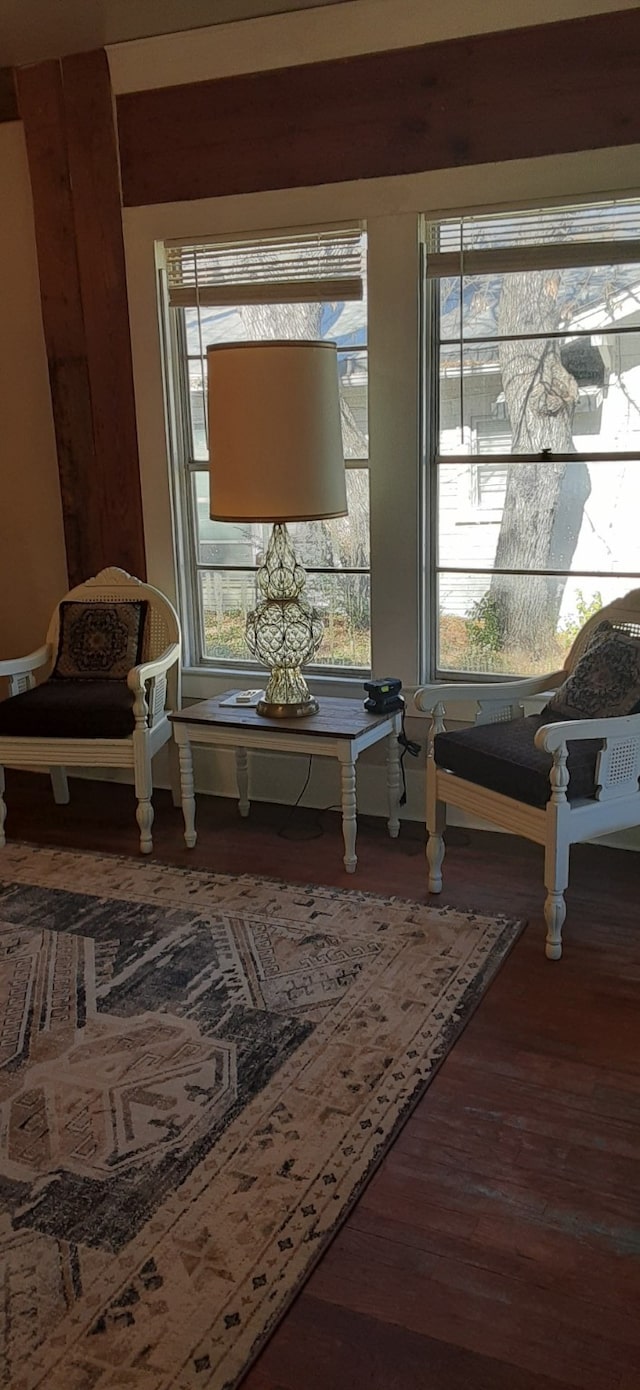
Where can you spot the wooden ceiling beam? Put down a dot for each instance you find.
(8, 98)
(515, 94)
(67, 113)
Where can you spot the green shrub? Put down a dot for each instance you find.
(485, 625)
(585, 609)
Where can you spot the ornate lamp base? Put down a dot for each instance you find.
(298, 711)
(284, 631)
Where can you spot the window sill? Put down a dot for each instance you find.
(200, 684)
(203, 684)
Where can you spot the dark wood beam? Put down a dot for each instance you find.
(8, 99)
(42, 111)
(68, 121)
(95, 183)
(516, 94)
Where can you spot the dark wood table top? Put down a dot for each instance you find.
(335, 718)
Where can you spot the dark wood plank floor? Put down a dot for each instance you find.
(498, 1245)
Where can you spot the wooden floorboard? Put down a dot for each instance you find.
(497, 1247)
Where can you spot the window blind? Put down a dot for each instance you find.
(605, 234)
(303, 268)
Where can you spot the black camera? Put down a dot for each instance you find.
(384, 695)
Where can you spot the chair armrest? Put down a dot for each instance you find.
(618, 763)
(137, 681)
(139, 675)
(24, 665)
(552, 736)
(427, 697)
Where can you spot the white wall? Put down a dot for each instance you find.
(43, 29)
(33, 572)
(391, 208)
(312, 35)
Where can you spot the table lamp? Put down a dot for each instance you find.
(275, 454)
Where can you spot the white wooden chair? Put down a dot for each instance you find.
(597, 794)
(153, 684)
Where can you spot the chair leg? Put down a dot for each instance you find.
(556, 879)
(3, 809)
(59, 785)
(436, 822)
(144, 789)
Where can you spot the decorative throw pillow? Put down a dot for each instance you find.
(606, 680)
(99, 641)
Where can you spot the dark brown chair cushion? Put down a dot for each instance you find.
(504, 758)
(99, 641)
(69, 709)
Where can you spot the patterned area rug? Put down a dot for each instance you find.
(197, 1075)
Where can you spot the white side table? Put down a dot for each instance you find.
(341, 729)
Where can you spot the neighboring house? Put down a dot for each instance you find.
(607, 413)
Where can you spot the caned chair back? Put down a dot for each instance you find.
(162, 626)
(81, 731)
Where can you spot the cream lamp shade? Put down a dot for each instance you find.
(275, 440)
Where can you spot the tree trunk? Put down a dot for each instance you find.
(544, 502)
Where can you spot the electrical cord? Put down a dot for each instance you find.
(408, 746)
(313, 832)
(302, 832)
(282, 831)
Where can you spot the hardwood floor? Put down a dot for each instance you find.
(498, 1245)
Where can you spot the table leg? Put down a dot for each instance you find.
(349, 813)
(187, 794)
(242, 779)
(59, 785)
(393, 784)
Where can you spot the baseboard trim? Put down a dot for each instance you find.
(214, 775)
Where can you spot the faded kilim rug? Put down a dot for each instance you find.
(198, 1073)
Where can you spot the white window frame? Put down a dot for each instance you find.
(570, 254)
(186, 465)
(400, 515)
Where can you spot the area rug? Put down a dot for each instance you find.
(198, 1073)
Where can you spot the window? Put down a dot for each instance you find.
(310, 285)
(535, 317)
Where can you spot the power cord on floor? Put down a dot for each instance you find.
(284, 827)
(315, 830)
(408, 746)
(303, 831)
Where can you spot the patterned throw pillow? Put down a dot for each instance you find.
(99, 641)
(606, 680)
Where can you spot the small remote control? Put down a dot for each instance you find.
(247, 698)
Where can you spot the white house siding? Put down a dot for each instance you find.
(610, 534)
